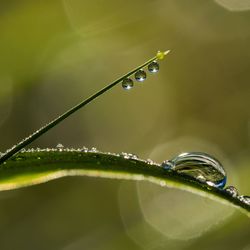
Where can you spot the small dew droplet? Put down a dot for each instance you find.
(60, 147)
(140, 75)
(232, 191)
(200, 166)
(245, 199)
(129, 156)
(168, 165)
(153, 67)
(150, 162)
(84, 149)
(93, 150)
(127, 83)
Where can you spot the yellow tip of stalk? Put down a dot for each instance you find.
(160, 55)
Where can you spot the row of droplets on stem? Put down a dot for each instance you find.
(140, 75)
(201, 167)
(152, 66)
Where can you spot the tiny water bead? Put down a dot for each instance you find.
(93, 150)
(200, 166)
(60, 147)
(127, 83)
(129, 156)
(153, 67)
(140, 75)
(232, 191)
(245, 199)
(84, 149)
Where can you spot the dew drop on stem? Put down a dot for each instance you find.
(153, 67)
(232, 191)
(245, 199)
(199, 166)
(60, 147)
(140, 75)
(127, 83)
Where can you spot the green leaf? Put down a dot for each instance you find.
(38, 166)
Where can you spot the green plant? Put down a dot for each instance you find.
(30, 167)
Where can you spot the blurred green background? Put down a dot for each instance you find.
(54, 53)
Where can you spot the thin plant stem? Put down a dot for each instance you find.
(25, 142)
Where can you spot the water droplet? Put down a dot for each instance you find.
(245, 199)
(129, 156)
(93, 150)
(168, 165)
(232, 191)
(140, 75)
(133, 156)
(127, 83)
(150, 162)
(60, 147)
(153, 67)
(200, 166)
(84, 149)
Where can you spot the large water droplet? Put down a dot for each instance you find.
(127, 83)
(200, 166)
(140, 75)
(232, 191)
(245, 199)
(153, 67)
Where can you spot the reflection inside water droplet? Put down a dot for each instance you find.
(232, 191)
(140, 75)
(127, 83)
(200, 166)
(153, 67)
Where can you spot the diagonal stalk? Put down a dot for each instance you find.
(10, 152)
